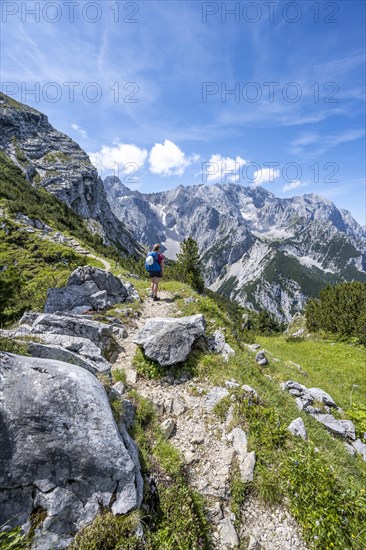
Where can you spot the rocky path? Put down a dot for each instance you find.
(107, 265)
(184, 408)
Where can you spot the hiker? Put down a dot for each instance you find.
(155, 267)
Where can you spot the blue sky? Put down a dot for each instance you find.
(150, 95)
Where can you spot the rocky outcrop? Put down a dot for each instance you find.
(90, 288)
(61, 450)
(57, 163)
(318, 404)
(169, 340)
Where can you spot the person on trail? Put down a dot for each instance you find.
(155, 267)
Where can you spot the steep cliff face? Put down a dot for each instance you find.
(54, 161)
(258, 249)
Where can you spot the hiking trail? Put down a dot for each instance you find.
(201, 437)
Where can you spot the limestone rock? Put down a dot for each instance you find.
(360, 448)
(214, 396)
(322, 396)
(228, 535)
(71, 459)
(216, 342)
(78, 326)
(297, 427)
(239, 440)
(167, 427)
(169, 340)
(261, 358)
(178, 407)
(227, 352)
(119, 387)
(342, 428)
(59, 353)
(247, 467)
(90, 287)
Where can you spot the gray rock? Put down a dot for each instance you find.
(247, 466)
(227, 352)
(72, 459)
(89, 287)
(291, 385)
(80, 310)
(350, 448)
(261, 358)
(238, 438)
(119, 387)
(79, 326)
(250, 390)
(81, 346)
(342, 428)
(214, 396)
(167, 427)
(28, 318)
(59, 353)
(322, 396)
(216, 342)
(253, 543)
(128, 413)
(231, 384)
(360, 448)
(169, 340)
(228, 535)
(297, 427)
(178, 407)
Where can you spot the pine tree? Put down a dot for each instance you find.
(189, 264)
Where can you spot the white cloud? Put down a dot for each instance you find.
(120, 157)
(223, 169)
(81, 131)
(167, 159)
(265, 175)
(293, 185)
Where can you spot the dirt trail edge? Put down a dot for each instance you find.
(203, 442)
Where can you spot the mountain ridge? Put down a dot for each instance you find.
(52, 160)
(242, 231)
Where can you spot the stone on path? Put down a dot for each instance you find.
(169, 340)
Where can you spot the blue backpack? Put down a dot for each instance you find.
(153, 266)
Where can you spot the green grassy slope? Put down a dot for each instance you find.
(336, 367)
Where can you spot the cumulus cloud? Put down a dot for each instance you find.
(167, 159)
(223, 168)
(264, 175)
(81, 131)
(120, 157)
(293, 185)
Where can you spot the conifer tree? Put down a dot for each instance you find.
(189, 264)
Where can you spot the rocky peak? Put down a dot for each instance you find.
(54, 161)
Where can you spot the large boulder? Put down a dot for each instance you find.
(78, 326)
(61, 354)
(61, 450)
(89, 287)
(169, 340)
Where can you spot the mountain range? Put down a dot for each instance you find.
(258, 249)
